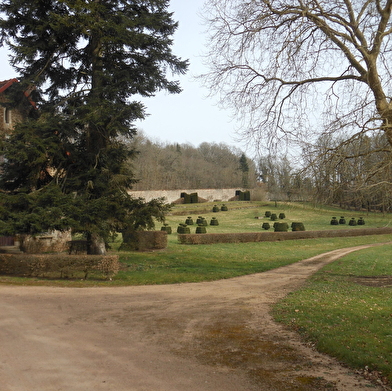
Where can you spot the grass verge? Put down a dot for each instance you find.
(345, 309)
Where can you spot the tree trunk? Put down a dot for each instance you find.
(95, 244)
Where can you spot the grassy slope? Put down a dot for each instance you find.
(346, 310)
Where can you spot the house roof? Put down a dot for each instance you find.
(5, 84)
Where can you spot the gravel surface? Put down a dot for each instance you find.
(215, 336)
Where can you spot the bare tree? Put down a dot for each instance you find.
(294, 69)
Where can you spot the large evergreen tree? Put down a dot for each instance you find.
(86, 62)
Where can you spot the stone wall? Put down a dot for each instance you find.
(52, 242)
(208, 194)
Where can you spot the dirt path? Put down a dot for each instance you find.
(215, 336)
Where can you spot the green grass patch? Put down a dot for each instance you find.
(346, 309)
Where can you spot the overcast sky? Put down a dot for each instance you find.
(189, 117)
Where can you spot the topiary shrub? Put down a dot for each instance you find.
(297, 226)
(144, 240)
(266, 226)
(183, 229)
(201, 229)
(281, 227)
(274, 217)
(352, 222)
(342, 220)
(243, 195)
(224, 208)
(214, 221)
(166, 228)
(334, 221)
(189, 221)
(282, 216)
(361, 221)
(215, 208)
(267, 213)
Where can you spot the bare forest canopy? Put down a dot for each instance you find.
(171, 166)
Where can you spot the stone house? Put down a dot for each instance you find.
(9, 115)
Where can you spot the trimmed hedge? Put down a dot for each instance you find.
(58, 265)
(145, 240)
(276, 236)
(297, 226)
(281, 227)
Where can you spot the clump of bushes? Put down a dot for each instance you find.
(201, 221)
(58, 265)
(192, 198)
(334, 221)
(281, 227)
(295, 226)
(183, 229)
(352, 222)
(201, 229)
(189, 221)
(144, 240)
(166, 228)
(214, 221)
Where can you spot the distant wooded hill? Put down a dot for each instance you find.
(183, 166)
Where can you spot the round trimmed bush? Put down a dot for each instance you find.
(352, 222)
(334, 221)
(214, 221)
(282, 216)
(215, 208)
(199, 220)
(274, 217)
(297, 226)
(201, 229)
(224, 208)
(189, 221)
(183, 229)
(266, 226)
(342, 220)
(361, 221)
(166, 228)
(267, 214)
(281, 227)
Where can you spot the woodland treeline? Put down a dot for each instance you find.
(172, 166)
(356, 174)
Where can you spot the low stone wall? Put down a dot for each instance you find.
(208, 194)
(52, 242)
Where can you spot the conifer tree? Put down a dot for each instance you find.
(86, 62)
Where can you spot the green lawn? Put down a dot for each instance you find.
(337, 309)
(346, 309)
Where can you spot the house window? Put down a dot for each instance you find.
(7, 115)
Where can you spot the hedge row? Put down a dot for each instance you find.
(276, 236)
(144, 241)
(58, 265)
